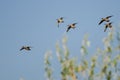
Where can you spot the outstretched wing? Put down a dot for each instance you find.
(61, 18)
(58, 24)
(105, 28)
(109, 16)
(22, 48)
(58, 21)
(101, 22)
(68, 28)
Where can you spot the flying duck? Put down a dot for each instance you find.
(60, 20)
(105, 19)
(108, 25)
(71, 26)
(28, 48)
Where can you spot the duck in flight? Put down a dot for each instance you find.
(106, 19)
(60, 20)
(108, 25)
(71, 26)
(28, 48)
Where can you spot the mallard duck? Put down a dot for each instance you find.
(60, 20)
(108, 25)
(28, 48)
(105, 19)
(71, 26)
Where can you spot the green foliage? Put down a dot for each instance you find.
(85, 44)
(103, 65)
(48, 68)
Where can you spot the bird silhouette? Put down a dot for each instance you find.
(60, 20)
(28, 48)
(108, 25)
(105, 19)
(71, 26)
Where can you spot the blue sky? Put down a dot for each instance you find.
(33, 22)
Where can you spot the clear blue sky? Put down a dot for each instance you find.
(33, 22)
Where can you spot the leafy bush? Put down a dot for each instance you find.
(103, 65)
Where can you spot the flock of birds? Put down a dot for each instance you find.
(60, 20)
(106, 19)
(108, 24)
(73, 25)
